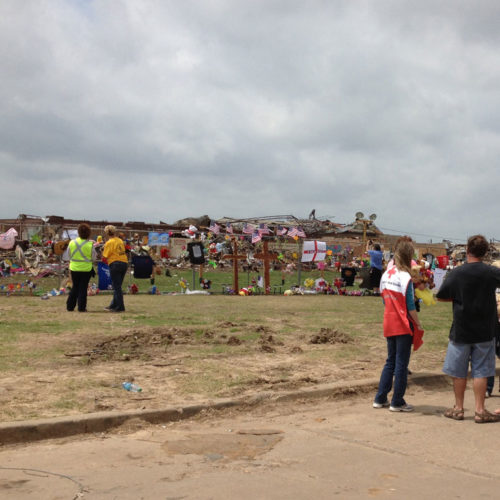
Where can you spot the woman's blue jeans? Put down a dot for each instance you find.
(117, 271)
(396, 366)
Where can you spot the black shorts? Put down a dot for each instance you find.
(375, 276)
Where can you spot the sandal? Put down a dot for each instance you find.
(486, 417)
(454, 413)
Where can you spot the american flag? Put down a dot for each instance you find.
(214, 227)
(293, 232)
(300, 233)
(256, 237)
(229, 228)
(248, 228)
(263, 229)
(280, 230)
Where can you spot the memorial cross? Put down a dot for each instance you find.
(235, 257)
(266, 256)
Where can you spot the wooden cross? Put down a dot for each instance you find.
(266, 256)
(235, 257)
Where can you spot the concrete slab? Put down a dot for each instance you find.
(328, 448)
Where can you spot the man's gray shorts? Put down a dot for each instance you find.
(481, 357)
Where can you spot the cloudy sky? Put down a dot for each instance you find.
(162, 109)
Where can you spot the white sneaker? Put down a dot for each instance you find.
(381, 405)
(406, 407)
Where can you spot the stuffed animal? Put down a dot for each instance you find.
(423, 279)
(190, 232)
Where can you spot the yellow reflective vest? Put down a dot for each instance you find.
(80, 255)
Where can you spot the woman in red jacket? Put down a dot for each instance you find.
(400, 320)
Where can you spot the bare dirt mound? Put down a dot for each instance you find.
(330, 336)
(144, 344)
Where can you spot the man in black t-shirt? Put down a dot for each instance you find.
(471, 287)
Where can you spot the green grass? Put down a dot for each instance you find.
(249, 336)
(67, 404)
(165, 284)
(35, 335)
(9, 331)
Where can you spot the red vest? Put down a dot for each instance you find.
(393, 287)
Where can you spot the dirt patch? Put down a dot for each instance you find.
(241, 445)
(130, 426)
(267, 348)
(263, 329)
(330, 336)
(208, 335)
(144, 344)
(270, 340)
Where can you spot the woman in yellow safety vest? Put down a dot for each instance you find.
(81, 254)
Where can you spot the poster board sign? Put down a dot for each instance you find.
(314, 251)
(158, 239)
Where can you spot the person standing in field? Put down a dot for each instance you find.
(471, 287)
(115, 256)
(376, 265)
(400, 324)
(81, 255)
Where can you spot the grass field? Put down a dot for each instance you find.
(220, 280)
(189, 348)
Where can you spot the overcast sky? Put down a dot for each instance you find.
(159, 110)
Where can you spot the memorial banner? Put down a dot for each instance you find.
(158, 239)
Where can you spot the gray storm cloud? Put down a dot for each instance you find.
(163, 109)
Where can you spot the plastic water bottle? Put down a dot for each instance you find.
(129, 386)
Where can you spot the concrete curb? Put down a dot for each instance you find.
(36, 430)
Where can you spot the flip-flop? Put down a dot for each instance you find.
(454, 413)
